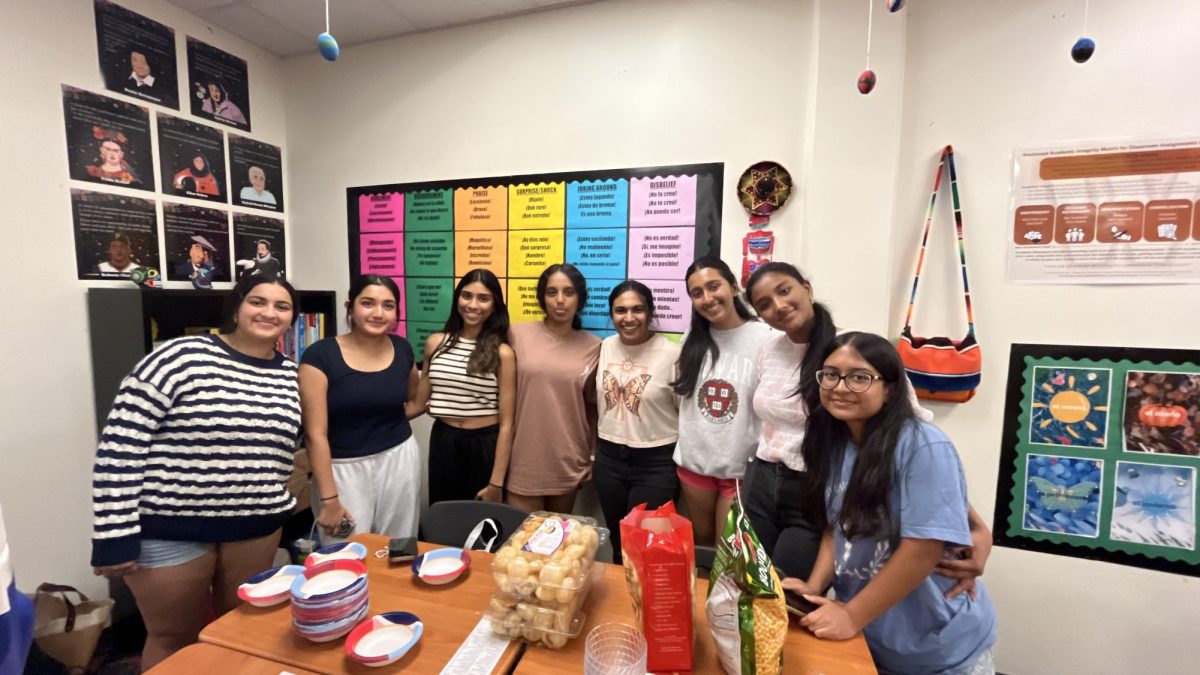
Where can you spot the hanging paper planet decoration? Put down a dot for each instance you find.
(327, 46)
(866, 82)
(1083, 49)
(894, 5)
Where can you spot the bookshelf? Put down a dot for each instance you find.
(120, 322)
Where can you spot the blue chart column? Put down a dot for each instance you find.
(597, 238)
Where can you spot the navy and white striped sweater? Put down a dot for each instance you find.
(198, 447)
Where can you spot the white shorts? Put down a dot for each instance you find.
(381, 492)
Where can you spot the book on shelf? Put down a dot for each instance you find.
(309, 327)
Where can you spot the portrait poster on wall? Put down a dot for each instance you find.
(191, 159)
(137, 55)
(647, 224)
(258, 246)
(255, 174)
(115, 234)
(219, 85)
(1100, 455)
(108, 141)
(197, 241)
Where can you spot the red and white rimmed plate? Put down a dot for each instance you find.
(270, 587)
(441, 566)
(332, 630)
(326, 581)
(346, 550)
(384, 639)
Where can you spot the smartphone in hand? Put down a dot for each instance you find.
(796, 604)
(344, 528)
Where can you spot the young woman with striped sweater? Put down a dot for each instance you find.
(189, 490)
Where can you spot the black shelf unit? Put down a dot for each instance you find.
(119, 323)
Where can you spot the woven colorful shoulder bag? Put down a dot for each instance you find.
(940, 368)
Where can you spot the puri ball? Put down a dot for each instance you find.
(894, 5)
(327, 46)
(866, 81)
(1083, 49)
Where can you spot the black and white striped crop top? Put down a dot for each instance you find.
(457, 394)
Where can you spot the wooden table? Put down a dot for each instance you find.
(449, 613)
(206, 659)
(609, 601)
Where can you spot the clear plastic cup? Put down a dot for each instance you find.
(614, 649)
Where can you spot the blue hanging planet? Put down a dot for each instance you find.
(327, 46)
(1083, 49)
(866, 81)
(894, 5)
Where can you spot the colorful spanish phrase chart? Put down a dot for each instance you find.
(1100, 455)
(647, 224)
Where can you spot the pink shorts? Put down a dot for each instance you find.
(726, 487)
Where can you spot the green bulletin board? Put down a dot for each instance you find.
(1100, 455)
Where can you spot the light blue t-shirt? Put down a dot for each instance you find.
(924, 632)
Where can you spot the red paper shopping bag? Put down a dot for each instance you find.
(660, 568)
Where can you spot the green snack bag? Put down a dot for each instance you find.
(747, 614)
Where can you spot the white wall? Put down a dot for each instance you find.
(46, 406)
(987, 76)
(606, 85)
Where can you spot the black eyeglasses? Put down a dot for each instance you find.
(857, 382)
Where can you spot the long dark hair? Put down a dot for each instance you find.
(821, 331)
(865, 507)
(699, 338)
(203, 172)
(485, 358)
(637, 287)
(577, 280)
(233, 301)
(360, 284)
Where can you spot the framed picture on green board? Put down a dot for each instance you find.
(1100, 453)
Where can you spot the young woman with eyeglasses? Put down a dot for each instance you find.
(892, 505)
(787, 365)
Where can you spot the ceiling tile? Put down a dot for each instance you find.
(289, 27)
(257, 29)
(351, 21)
(198, 6)
(429, 15)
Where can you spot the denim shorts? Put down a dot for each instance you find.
(165, 553)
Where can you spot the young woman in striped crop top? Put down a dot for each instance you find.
(189, 490)
(469, 384)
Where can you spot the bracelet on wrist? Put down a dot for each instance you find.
(329, 499)
(498, 487)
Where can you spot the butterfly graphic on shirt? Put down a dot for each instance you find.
(627, 394)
